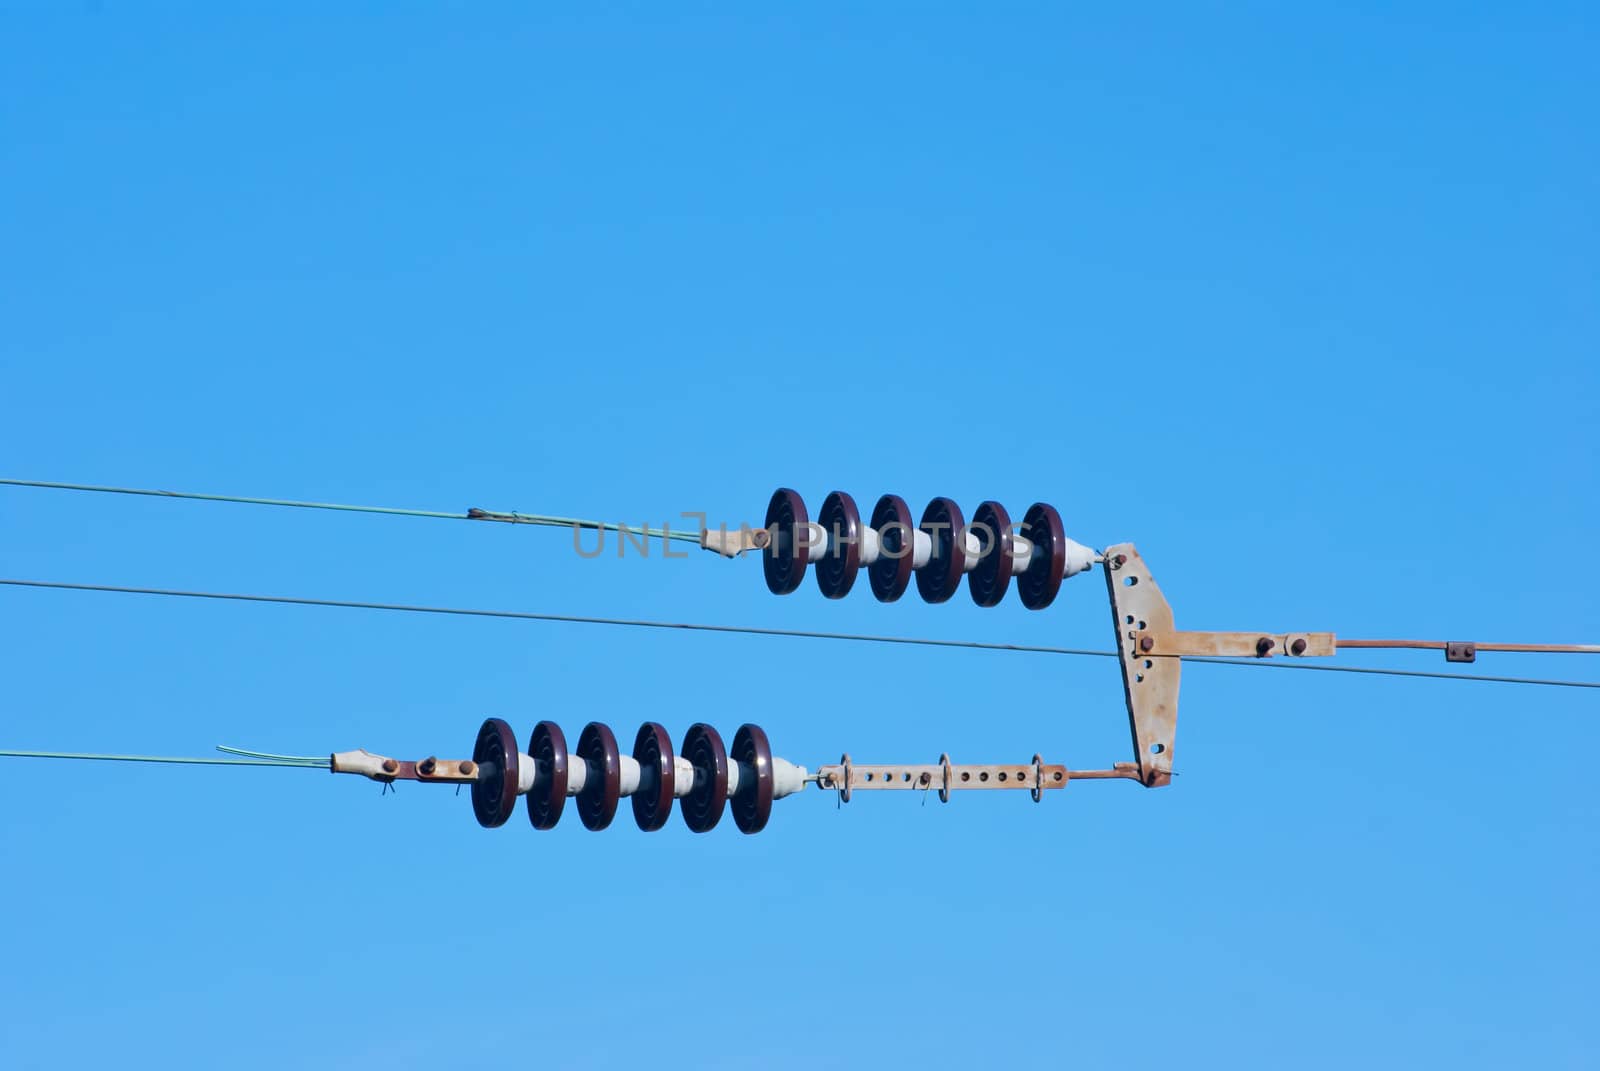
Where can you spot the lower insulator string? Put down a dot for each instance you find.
(707, 779)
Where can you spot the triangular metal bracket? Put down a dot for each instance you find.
(1149, 678)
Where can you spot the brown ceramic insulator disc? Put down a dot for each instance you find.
(1038, 584)
(784, 563)
(753, 805)
(991, 577)
(890, 575)
(652, 800)
(597, 802)
(945, 525)
(548, 750)
(494, 793)
(838, 566)
(702, 807)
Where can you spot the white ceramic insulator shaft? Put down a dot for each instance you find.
(577, 774)
(787, 778)
(817, 542)
(871, 545)
(682, 777)
(628, 776)
(1080, 558)
(974, 547)
(1021, 554)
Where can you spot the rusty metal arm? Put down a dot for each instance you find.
(1235, 644)
(1179, 643)
(1150, 650)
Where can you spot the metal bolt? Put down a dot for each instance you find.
(390, 766)
(1119, 561)
(1147, 644)
(760, 537)
(425, 767)
(1264, 645)
(1298, 646)
(468, 767)
(926, 777)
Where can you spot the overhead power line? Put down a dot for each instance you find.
(747, 630)
(504, 516)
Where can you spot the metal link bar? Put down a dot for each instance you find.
(848, 777)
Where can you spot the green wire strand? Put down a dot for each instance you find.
(181, 760)
(300, 760)
(508, 517)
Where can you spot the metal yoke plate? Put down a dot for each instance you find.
(1150, 684)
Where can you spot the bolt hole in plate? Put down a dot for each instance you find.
(991, 577)
(946, 527)
(702, 808)
(784, 563)
(753, 805)
(597, 802)
(1039, 583)
(652, 800)
(494, 793)
(890, 575)
(548, 749)
(838, 566)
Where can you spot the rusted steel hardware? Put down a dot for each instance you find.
(731, 543)
(1236, 644)
(382, 768)
(945, 777)
(1151, 649)
(942, 548)
(1149, 684)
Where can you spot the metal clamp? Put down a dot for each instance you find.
(731, 544)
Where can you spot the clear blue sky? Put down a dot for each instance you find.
(1303, 302)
